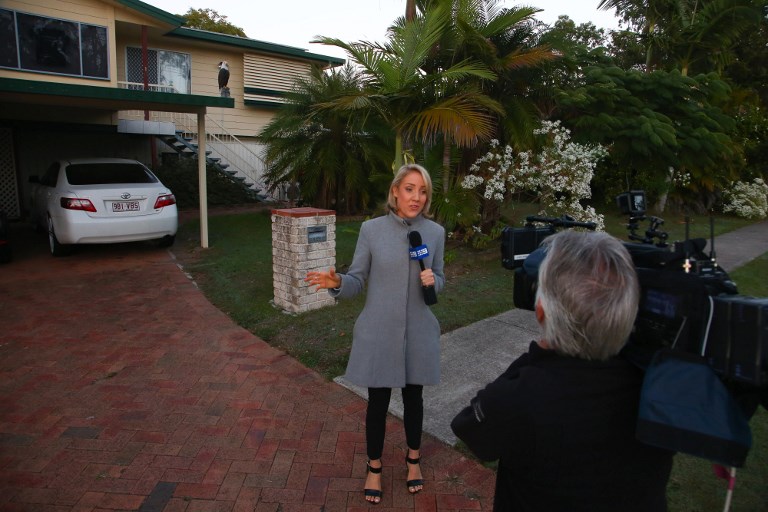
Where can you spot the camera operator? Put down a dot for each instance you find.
(561, 419)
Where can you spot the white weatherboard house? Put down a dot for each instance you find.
(121, 78)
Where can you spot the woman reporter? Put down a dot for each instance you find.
(396, 338)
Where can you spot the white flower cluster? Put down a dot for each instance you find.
(748, 200)
(560, 174)
(495, 170)
(681, 179)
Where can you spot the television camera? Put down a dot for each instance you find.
(688, 302)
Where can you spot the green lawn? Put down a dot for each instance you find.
(240, 253)
(235, 273)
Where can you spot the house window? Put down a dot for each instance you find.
(168, 71)
(48, 45)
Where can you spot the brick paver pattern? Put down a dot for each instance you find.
(123, 388)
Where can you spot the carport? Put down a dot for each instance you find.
(19, 95)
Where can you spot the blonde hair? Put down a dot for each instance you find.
(400, 176)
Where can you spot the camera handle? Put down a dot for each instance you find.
(651, 233)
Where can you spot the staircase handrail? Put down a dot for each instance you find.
(220, 147)
(242, 160)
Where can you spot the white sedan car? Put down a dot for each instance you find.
(102, 200)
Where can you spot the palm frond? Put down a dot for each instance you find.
(508, 19)
(527, 57)
(466, 118)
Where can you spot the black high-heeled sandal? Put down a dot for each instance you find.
(415, 482)
(373, 493)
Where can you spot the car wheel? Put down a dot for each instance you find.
(166, 241)
(57, 249)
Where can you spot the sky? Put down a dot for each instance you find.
(296, 22)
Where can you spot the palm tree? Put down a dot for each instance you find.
(502, 40)
(650, 17)
(331, 155)
(708, 32)
(415, 102)
(410, 10)
(682, 33)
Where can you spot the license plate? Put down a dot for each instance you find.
(125, 206)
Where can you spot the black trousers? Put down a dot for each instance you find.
(376, 418)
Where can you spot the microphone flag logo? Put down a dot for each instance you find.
(419, 253)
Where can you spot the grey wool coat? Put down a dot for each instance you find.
(396, 339)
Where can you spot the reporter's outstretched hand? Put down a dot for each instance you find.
(323, 280)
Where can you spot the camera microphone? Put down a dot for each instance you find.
(419, 252)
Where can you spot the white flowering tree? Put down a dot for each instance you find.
(559, 174)
(748, 200)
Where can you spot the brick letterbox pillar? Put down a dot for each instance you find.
(303, 239)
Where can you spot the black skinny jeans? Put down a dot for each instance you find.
(376, 418)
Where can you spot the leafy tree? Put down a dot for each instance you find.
(654, 122)
(694, 36)
(566, 36)
(505, 40)
(208, 19)
(578, 47)
(708, 34)
(645, 17)
(334, 157)
(752, 128)
(626, 50)
(704, 36)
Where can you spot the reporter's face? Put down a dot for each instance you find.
(411, 195)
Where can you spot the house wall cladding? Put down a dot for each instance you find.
(242, 121)
(271, 74)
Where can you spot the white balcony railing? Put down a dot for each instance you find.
(137, 86)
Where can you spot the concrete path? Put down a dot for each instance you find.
(739, 247)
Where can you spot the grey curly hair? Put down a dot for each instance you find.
(589, 293)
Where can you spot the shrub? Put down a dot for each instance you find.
(748, 200)
(559, 174)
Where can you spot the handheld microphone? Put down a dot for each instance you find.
(419, 252)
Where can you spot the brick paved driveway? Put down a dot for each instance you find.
(123, 388)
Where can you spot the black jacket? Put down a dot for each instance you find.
(563, 429)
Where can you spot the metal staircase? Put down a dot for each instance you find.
(224, 152)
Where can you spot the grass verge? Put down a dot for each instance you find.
(235, 273)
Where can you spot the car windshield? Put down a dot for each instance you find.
(108, 173)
